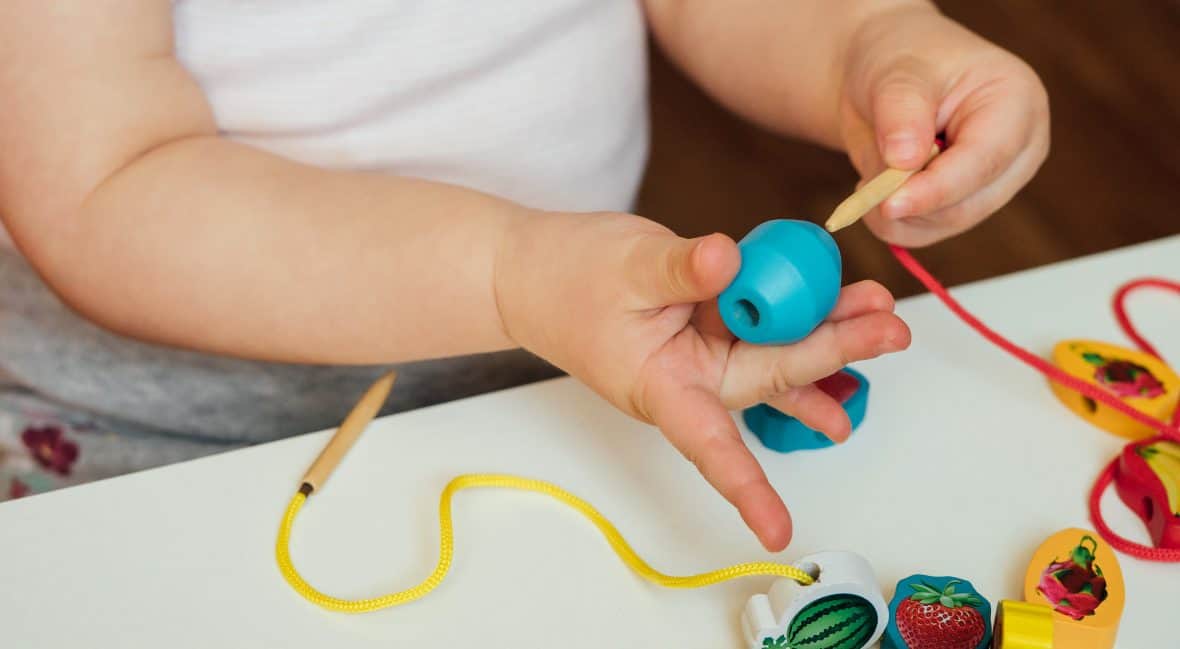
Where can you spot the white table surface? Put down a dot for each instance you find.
(183, 556)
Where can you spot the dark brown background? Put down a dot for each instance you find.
(1112, 178)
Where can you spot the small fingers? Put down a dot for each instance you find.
(815, 409)
(904, 110)
(699, 426)
(757, 374)
(865, 296)
(664, 269)
(988, 145)
(926, 229)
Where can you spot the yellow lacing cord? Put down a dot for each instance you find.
(447, 544)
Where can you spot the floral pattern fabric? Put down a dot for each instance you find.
(44, 446)
(36, 455)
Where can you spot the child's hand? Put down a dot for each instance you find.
(910, 73)
(628, 307)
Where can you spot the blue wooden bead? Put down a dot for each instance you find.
(783, 433)
(787, 285)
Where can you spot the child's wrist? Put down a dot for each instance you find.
(512, 280)
(545, 271)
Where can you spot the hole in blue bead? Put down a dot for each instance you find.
(746, 313)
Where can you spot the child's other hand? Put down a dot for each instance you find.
(629, 308)
(911, 73)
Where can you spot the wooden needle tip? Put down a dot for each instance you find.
(350, 429)
(870, 195)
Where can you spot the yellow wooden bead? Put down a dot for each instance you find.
(1084, 610)
(1023, 625)
(1140, 380)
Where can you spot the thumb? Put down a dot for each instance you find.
(905, 108)
(666, 269)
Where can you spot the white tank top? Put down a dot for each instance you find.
(540, 101)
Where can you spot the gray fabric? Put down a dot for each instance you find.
(124, 384)
(104, 451)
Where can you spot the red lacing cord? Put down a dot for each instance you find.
(1120, 314)
(1116, 541)
(1055, 374)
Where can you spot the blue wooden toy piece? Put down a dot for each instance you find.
(788, 283)
(783, 433)
(937, 613)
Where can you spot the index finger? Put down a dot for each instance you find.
(983, 145)
(698, 425)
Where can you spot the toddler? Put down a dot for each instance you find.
(228, 216)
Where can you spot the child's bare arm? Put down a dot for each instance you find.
(878, 79)
(775, 63)
(116, 186)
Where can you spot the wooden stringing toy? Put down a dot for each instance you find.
(937, 613)
(787, 285)
(1139, 379)
(843, 609)
(1147, 479)
(832, 600)
(1165, 429)
(1023, 625)
(781, 432)
(874, 192)
(347, 435)
(1079, 577)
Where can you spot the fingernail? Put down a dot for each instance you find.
(899, 206)
(900, 148)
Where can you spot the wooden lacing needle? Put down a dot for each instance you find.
(871, 195)
(350, 429)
